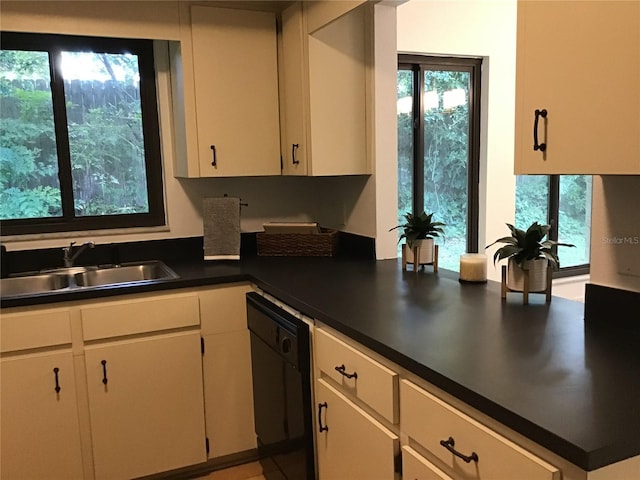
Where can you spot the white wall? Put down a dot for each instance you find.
(615, 232)
(487, 29)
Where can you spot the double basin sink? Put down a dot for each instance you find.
(74, 278)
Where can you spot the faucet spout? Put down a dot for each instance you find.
(70, 256)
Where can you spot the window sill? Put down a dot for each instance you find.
(83, 233)
(571, 288)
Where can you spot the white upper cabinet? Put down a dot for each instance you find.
(578, 63)
(225, 93)
(325, 77)
(294, 92)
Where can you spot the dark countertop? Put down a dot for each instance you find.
(538, 369)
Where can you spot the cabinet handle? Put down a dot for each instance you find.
(449, 444)
(55, 373)
(341, 369)
(536, 146)
(320, 407)
(214, 160)
(294, 147)
(104, 371)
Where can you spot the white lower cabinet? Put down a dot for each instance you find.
(351, 443)
(146, 405)
(39, 425)
(226, 361)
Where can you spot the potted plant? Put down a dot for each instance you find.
(526, 250)
(418, 232)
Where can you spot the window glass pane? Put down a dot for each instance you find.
(102, 93)
(532, 200)
(29, 185)
(405, 145)
(574, 221)
(446, 158)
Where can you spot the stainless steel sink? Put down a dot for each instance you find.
(126, 273)
(30, 284)
(76, 278)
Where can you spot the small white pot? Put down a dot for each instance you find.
(537, 275)
(425, 247)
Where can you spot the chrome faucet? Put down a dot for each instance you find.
(70, 256)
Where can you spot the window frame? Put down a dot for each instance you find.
(54, 44)
(553, 219)
(418, 64)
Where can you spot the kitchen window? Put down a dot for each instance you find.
(564, 202)
(439, 147)
(80, 144)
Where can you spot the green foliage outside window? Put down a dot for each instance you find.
(29, 186)
(446, 157)
(104, 125)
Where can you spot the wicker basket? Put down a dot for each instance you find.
(323, 244)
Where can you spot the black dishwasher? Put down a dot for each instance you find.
(280, 362)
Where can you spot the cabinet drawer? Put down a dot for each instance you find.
(21, 331)
(416, 467)
(373, 383)
(142, 315)
(428, 420)
(224, 309)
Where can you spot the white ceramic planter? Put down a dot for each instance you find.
(537, 275)
(425, 247)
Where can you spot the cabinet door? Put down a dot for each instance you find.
(355, 446)
(226, 362)
(294, 96)
(146, 405)
(235, 72)
(40, 431)
(339, 95)
(228, 393)
(579, 61)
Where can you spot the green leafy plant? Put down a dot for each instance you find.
(419, 227)
(528, 245)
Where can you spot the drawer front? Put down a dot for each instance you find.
(224, 309)
(361, 376)
(143, 315)
(416, 467)
(47, 328)
(430, 421)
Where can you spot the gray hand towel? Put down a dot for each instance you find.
(221, 221)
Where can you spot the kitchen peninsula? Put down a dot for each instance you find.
(570, 386)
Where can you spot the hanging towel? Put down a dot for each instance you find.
(221, 221)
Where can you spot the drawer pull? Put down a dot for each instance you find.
(294, 147)
(449, 444)
(55, 372)
(104, 371)
(214, 160)
(341, 369)
(538, 146)
(320, 406)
